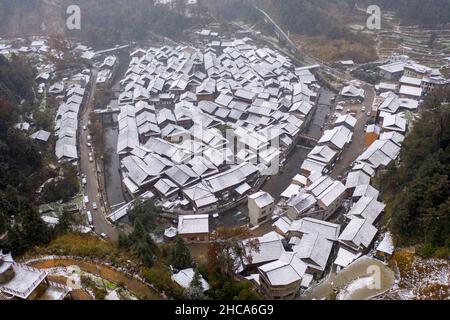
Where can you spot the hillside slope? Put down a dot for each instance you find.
(417, 190)
(103, 23)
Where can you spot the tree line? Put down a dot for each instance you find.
(416, 190)
(21, 164)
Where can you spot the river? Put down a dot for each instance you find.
(275, 185)
(113, 179)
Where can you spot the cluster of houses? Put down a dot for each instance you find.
(106, 70)
(305, 245)
(409, 79)
(201, 128)
(70, 90)
(66, 122)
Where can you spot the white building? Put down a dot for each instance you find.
(260, 207)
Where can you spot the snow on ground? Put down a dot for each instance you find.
(112, 295)
(353, 288)
(421, 279)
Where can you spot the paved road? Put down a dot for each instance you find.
(356, 148)
(278, 28)
(91, 189)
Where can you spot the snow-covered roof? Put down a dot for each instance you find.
(262, 199)
(185, 277)
(190, 224)
(266, 248)
(387, 244)
(288, 269)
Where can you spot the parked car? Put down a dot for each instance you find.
(103, 235)
(86, 199)
(91, 159)
(84, 181)
(89, 217)
(94, 205)
(84, 128)
(89, 144)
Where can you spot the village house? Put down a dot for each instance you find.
(328, 193)
(260, 208)
(313, 240)
(358, 235)
(385, 248)
(261, 250)
(194, 228)
(184, 278)
(283, 278)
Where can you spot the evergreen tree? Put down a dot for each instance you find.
(140, 243)
(65, 221)
(34, 230)
(180, 257)
(195, 290)
(416, 190)
(2, 223)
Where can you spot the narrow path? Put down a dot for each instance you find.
(135, 286)
(91, 189)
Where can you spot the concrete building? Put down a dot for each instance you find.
(260, 207)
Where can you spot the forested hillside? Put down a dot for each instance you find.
(417, 192)
(418, 11)
(313, 17)
(20, 162)
(103, 22)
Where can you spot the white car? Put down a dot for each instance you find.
(86, 199)
(89, 216)
(363, 109)
(84, 128)
(91, 159)
(103, 235)
(84, 181)
(89, 138)
(94, 205)
(89, 144)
